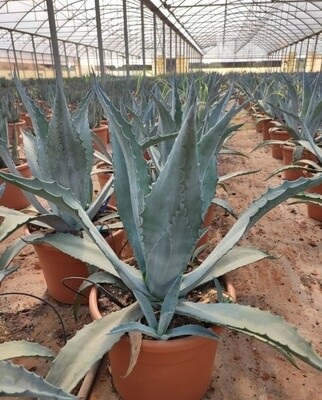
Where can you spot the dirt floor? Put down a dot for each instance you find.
(290, 286)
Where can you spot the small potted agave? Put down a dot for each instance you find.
(60, 152)
(163, 217)
(11, 196)
(10, 111)
(95, 116)
(299, 105)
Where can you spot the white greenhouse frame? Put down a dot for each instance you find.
(41, 38)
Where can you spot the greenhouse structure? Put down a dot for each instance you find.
(157, 37)
(161, 199)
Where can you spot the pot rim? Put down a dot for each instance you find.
(20, 122)
(158, 345)
(19, 167)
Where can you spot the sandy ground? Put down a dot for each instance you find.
(290, 286)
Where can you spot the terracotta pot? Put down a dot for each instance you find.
(41, 103)
(260, 124)
(147, 156)
(18, 125)
(277, 149)
(290, 174)
(119, 243)
(13, 197)
(314, 210)
(102, 178)
(27, 119)
(207, 222)
(294, 174)
(178, 369)
(267, 124)
(72, 107)
(241, 100)
(56, 266)
(103, 133)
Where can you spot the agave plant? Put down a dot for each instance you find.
(95, 114)
(264, 90)
(300, 106)
(9, 373)
(163, 219)
(9, 108)
(59, 151)
(13, 147)
(302, 110)
(157, 118)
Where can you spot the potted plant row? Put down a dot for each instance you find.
(300, 106)
(11, 196)
(163, 210)
(60, 151)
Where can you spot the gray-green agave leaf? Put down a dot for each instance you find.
(15, 381)
(257, 210)
(87, 347)
(23, 348)
(262, 325)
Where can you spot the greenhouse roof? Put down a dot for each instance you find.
(269, 24)
(262, 25)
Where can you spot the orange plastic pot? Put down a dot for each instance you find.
(57, 266)
(103, 133)
(290, 174)
(314, 210)
(260, 124)
(13, 197)
(294, 174)
(277, 149)
(104, 122)
(27, 119)
(18, 126)
(208, 218)
(178, 369)
(103, 177)
(267, 124)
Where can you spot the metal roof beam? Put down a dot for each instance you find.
(160, 14)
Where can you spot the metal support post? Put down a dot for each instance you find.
(54, 41)
(66, 60)
(143, 38)
(170, 50)
(22, 65)
(35, 56)
(88, 63)
(307, 53)
(314, 53)
(163, 49)
(155, 43)
(78, 61)
(126, 39)
(14, 54)
(99, 38)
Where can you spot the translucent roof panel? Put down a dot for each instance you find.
(212, 27)
(75, 22)
(267, 24)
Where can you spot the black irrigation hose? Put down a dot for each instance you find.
(46, 302)
(98, 286)
(123, 247)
